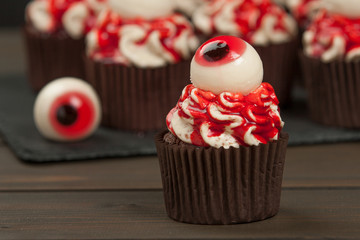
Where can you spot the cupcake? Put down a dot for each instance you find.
(54, 38)
(222, 157)
(264, 25)
(137, 60)
(331, 64)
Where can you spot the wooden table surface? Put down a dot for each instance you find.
(122, 198)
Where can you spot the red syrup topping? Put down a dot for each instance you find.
(254, 109)
(109, 37)
(245, 12)
(72, 114)
(220, 50)
(328, 26)
(58, 8)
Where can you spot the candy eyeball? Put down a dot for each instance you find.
(348, 8)
(147, 9)
(226, 64)
(67, 109)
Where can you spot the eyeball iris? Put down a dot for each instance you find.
(71, 114)
(67, 109)
(220, 50)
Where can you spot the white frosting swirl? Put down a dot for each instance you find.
(37, 12)
(187, 119)
(222, 13)
(73, 21)
(151, 53)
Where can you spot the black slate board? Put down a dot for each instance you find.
(18, 130)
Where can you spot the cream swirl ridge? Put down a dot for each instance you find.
(226, 120)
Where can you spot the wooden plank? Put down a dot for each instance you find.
(311, 166)
(304, 214)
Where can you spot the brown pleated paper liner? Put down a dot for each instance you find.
(333, 91)
(137, 99)
(279, 67)
(51, 56)
(221, 186)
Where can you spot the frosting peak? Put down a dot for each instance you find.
(203, 118)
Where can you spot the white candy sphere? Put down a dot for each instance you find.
(67, 109)
(148, 9)
(348, 8)
(226, 64)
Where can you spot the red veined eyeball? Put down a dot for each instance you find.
(67, 109)
(226, 64)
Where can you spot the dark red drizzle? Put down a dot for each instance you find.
(267, 124)
(328, 26)
(74, 127)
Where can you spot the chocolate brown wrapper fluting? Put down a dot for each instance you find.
(279, 66)
(51, 56)
(137, 99)
(333, 91)
(221, 186)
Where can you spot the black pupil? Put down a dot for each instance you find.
(216, 51)
(66, 115)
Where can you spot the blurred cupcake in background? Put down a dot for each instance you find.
(331, 64)
(137, 59)
(54, 37)
(263, 24)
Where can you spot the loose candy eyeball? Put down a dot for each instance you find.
(67, 109)
(147, 9)
(226, 64)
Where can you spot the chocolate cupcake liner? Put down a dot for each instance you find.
(279, 65)
(51, 56)
(333, 91)
(137, 99)
(221, 186)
